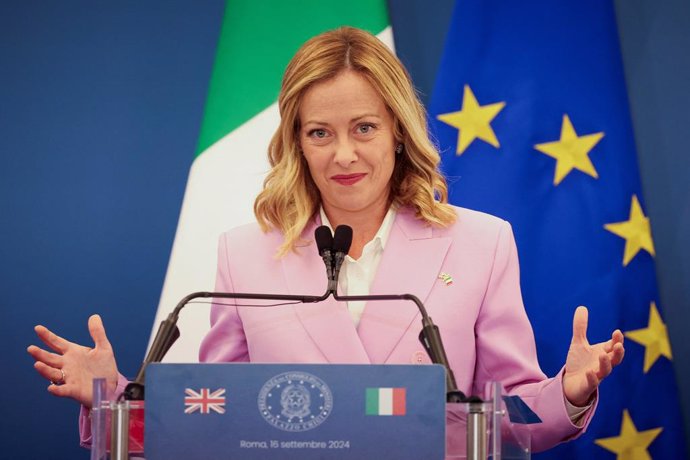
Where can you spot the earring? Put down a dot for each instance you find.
(399, 149)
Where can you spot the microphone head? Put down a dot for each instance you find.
(324, 239)
(342, 239)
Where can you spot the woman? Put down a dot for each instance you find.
(352, 148)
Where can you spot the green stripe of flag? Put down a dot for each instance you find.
(372, 398)
(252, 53)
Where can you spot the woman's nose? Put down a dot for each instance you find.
(345, 153)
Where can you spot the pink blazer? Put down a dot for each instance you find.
(485, 329)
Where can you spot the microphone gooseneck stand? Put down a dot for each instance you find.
(333, 250)
(168, 331)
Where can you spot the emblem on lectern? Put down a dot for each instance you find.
(295, 401)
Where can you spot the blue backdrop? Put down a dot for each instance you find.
(100, 107)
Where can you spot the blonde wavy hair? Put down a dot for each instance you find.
(289, 198)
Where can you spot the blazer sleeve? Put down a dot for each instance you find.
(226, 341)
(506, 350)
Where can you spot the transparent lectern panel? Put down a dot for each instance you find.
(117, 427)
(481, 430)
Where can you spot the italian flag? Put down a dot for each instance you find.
(385, 401)
(257, 40)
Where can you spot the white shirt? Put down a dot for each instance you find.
(356, 276)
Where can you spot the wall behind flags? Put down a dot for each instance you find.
(100, 107)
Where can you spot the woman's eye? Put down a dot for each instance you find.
(317, 133)
(365, 128)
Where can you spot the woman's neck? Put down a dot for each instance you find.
(364, 226)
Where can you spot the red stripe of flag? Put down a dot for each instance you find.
(398, 401)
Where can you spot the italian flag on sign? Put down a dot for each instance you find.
(385, 401)
(257, 40)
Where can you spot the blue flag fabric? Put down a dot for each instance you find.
(531, 115)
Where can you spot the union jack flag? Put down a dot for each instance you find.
(204, 401)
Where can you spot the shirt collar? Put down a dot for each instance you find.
(383, 232)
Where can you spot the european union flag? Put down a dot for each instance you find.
(530, 111)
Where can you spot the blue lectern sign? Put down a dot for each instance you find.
(294, 411)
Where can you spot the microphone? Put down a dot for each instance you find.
(341, 246)
(324, 243)
(333, 251)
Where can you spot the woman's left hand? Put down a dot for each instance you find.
(587, 365)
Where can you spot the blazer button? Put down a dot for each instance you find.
(420, 357)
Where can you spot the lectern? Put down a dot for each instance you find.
(306, 411)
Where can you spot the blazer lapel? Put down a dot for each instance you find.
(411, 262)
(328, 323)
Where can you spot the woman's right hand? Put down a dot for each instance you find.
(72, 368)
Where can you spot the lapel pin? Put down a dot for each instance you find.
(446, 278)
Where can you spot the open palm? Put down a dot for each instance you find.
(72, 367)
(587, 365)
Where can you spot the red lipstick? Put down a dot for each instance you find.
(348, 179)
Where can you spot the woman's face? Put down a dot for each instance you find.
(347, 138)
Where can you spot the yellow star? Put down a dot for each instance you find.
(636, 232)
(571, 151)
(630, 444)
(473, 121)
(654, 337)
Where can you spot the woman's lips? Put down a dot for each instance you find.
(348, 179)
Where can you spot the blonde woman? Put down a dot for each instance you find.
(353, 148)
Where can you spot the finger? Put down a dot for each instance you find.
(617, 354)
(580, 324)
(604, 366)
(64, 391)
(39, 354)
(97, 332)
(616, 338)
(49, 373)
(54, 341)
